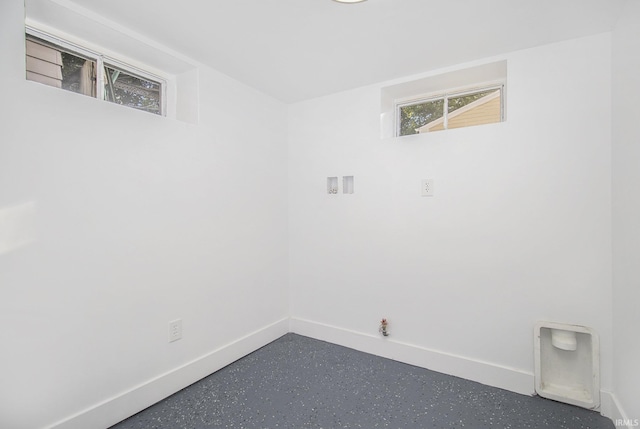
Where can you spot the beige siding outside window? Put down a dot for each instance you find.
(44, 64)
(54, 66)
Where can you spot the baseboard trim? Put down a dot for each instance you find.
(611, 408)
(126, 404)
(486, 373)
(136, 399)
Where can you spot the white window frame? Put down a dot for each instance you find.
(102, 60)
(459, 92)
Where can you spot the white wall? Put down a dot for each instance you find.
(139, 220)
(519, 229)
(626, 209)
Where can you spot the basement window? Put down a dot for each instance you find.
(58, 63)
(455, 99)
(447, 111)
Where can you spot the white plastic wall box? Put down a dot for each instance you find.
(567, 364)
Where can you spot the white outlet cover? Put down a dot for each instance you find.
(175, 330)
(427, 187)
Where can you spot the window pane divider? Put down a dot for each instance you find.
(445, 113)
(100, 78)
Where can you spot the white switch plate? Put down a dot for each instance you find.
(427, 187)
(175, 330)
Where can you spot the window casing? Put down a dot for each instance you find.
(477, 106)
(56, 62)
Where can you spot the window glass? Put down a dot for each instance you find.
(78, 74)
(483, 107)
(127, 89)
(460, 101)
(54, 66)
(414, 116)
(462, 109)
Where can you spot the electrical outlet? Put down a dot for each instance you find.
(175, 330)
(427, 187)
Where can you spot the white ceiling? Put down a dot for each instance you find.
(300, 49)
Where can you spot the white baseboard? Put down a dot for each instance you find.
(610, 407)
(126, 404)
(486, 373)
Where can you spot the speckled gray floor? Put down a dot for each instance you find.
(298, 382)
